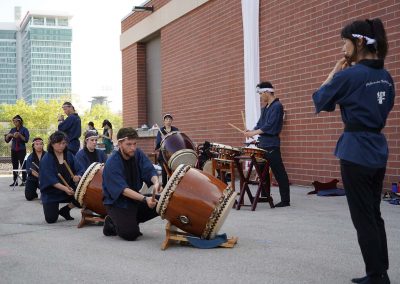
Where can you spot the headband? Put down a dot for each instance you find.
(368, 39)
(263, 90)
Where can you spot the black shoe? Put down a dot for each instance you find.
(379, 279)
(109, 228)
(359, 280)
(22, 184)
(282, 204)
(15, 183)
(65, 213)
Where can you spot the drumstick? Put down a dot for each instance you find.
(33, 163)
(63, 180)
(244, 120)
(33, 171)
(69, 169)
(153, 196)
(237, 128)
(162, 135)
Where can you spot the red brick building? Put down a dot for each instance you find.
(201, 74)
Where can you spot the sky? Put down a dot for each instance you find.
(96, 57)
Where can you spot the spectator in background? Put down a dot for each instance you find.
(19, 136)
(91, 127)
(107, 136)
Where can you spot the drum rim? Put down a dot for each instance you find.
(219, 213)
(169, 189)
(257, 149)
(178, 153)
(84, 181)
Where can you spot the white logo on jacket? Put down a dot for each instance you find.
(381, 97)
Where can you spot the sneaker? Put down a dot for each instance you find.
(15, 183)
(282, 204)
(109, 228)
(359, 280)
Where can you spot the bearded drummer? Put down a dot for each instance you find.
(123, 177)
(89, 154)
(268, 127)
(167, 128)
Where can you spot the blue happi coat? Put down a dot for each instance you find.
(270, 122)
(72, 127)
(115, 177)
(365, 93)
(48, 177)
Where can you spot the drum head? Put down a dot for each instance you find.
(182, 157)
(85, 180)
(207, 168)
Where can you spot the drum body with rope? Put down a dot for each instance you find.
(89, 192)
(224, 152)
(195, 202)
(177, 149)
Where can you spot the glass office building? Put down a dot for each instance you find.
(8, 63)
(42, 59)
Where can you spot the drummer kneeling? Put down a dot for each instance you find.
(123, 176)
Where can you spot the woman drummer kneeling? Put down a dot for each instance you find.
(59, 172)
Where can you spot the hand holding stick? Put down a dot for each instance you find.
(70, 191)
(34, 173)
(37, 167)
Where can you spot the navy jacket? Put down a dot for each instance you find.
(365, 93)
(83, 159)
(48, 177)
(29, 166)
(19, 142)
(72, 127)
(270, 122)
(115, 178)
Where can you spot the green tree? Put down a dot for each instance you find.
(97, 114)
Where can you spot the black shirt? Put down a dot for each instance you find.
(91, 155)
(131, 171)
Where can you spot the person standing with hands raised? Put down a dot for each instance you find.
(364, 90)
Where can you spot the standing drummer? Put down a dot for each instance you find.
(167, 128)
(268, 127)
(123, 177)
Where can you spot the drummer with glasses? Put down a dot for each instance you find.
(123, 177)
(268, 127)
(167, 128)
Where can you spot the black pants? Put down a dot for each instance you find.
(51, 209)
(363, 187)
(31, 186)
(126, 220)
(17, 158)
(274, 158)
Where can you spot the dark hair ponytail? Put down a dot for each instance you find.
(370, 28)
(380, 37)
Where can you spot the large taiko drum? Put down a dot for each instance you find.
(177, 149)
(195, 202)
(224, 152)
(89, 192)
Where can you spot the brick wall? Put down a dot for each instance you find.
(300, 44)
(202, 75)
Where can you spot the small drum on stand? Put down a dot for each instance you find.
(258, 153)
(89, 194)
(224, 152)
(177, 149)
(195, 202)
